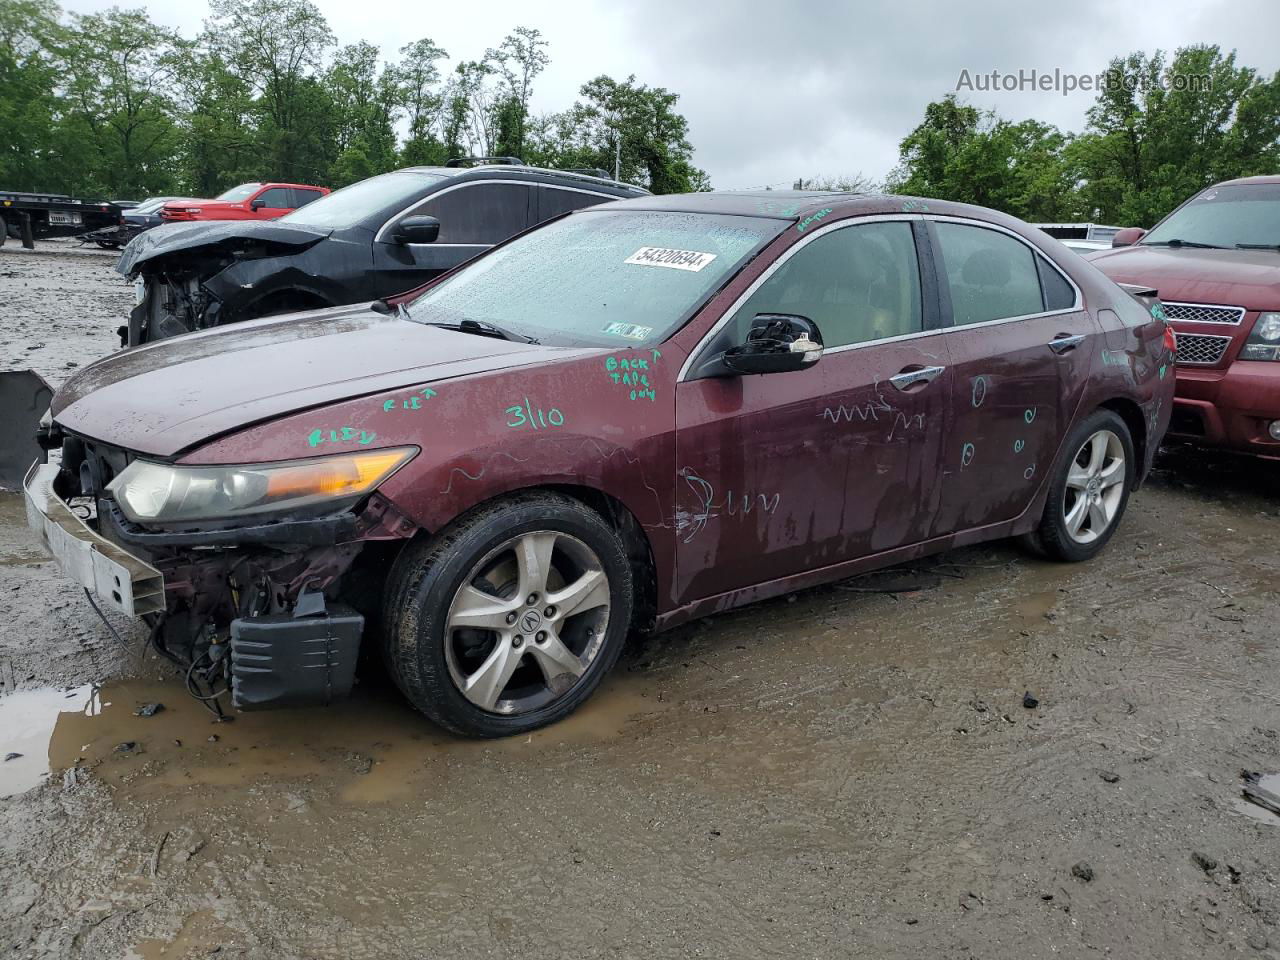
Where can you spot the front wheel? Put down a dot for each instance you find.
(510, 618)
(1090, 489)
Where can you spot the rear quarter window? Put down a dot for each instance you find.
(1058, 293)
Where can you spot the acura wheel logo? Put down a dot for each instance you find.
(531, 621)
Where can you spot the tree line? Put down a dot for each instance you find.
(1148, 144)
(115, 105)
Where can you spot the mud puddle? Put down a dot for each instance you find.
(372, 748)
(27, 722)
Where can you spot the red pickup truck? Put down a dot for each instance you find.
(1215, 262)
(249, 201)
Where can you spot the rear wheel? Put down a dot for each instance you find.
(510, 618)
(1090, 489)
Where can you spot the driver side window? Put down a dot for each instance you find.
(858, 283)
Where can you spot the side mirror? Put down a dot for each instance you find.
(416, 230)
(1127, 237)
(777, 343)
(257, 203)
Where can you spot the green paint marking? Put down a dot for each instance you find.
(526, 415)
(322, 436)
(810, 220)
(1163, 368)
(408, 403)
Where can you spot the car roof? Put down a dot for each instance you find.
(1268, 178)
(770, 204)
(519, 170)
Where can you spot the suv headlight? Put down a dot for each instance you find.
(1264, 342)
(150, 492)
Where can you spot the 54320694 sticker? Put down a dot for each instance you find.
(692, 260)
(631, 331)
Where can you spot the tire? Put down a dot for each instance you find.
(1089, 491)
(466, 647)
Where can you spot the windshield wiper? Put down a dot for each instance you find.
(481, 328)
(1175, 242)
(1258, 246)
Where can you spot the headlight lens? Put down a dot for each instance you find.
(150, 492)
(1264, 341)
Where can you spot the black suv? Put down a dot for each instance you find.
(375, 238)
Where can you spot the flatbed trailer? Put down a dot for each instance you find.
(36, 216)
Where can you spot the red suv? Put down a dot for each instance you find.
(249, 201)
(1215, 262)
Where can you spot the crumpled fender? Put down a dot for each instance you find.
(216, 236)
(245, 282)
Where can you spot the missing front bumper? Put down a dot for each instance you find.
(123, 581)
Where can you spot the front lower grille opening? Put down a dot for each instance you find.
(1200, 349)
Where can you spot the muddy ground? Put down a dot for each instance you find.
(837, 773)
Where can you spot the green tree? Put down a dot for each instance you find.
(626, 125)
(971, 156)
(518, 59)
(119, 82)
(366, 101)
(30, 154)
(416, 77)
(220, 144)
(278, 47)
(1163, 129)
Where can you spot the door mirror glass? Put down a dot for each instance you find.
(1127, 237)
(257, 204)
(418, 229)
(776, 343)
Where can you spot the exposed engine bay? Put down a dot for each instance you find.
(256, 616)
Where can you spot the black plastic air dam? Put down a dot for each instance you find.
(287, 661)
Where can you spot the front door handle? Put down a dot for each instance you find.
(1064, 342)
(918, 377)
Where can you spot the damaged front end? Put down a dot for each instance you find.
(268, 607)
(192, 276)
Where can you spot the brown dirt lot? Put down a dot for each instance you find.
(837, 773)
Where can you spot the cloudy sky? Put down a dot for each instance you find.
(781, 90)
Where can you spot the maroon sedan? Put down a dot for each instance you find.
(640, 413)
(1215, 262)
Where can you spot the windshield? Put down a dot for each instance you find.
(1225, 216)
(600, 278)
(151, 206)
(236, 194)
(350, 205)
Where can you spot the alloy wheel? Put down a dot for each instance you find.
(1095, 487)
(527, 623)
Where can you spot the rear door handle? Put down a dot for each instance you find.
(1064, 342)
(911, 378)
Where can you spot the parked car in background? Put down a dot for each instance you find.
(1215, 261)
(133, 221)
(1080, 237)
(641, 413)
(249, 201)
(378, 237)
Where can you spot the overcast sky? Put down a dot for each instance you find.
(774, 91)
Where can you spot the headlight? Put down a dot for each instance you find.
(1264, 341)
(150, 492)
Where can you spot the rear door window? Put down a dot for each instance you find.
(301, 197)
(553, 201)
(990, 275)
(480, 213)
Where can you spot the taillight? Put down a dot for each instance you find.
(1170, 340)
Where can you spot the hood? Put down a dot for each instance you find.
(167, 397)
(213, 235)
(1241, 278)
